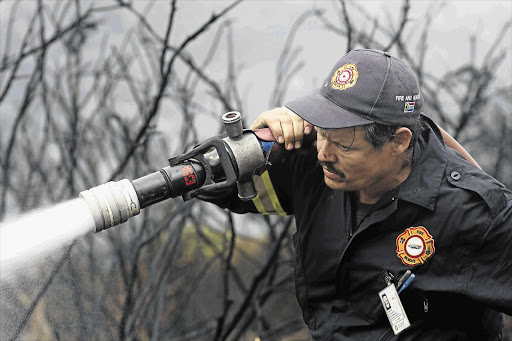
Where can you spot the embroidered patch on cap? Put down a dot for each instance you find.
(415, 246)
(409, 107)
(345, 77)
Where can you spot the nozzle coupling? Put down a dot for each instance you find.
(112, 203)
(233, 123)
(245, 151)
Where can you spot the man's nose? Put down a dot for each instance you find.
(325, 152)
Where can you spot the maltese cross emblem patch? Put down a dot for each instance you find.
(414, 246)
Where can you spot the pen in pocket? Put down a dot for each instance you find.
(405, 280)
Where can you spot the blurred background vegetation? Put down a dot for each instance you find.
(80, 107)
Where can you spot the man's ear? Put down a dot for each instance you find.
(401, 140)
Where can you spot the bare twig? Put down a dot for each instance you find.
(256, 281)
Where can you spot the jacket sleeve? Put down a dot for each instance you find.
(490, 272)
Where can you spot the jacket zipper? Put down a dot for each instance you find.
(386, 336)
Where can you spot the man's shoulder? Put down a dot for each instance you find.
(473, 185)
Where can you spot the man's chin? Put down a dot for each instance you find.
(336, 184)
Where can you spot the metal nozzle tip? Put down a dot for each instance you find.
(112, 203)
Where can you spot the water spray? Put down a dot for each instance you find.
(213, 166)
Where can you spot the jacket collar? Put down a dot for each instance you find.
(429, 162)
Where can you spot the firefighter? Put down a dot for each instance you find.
(378, 195)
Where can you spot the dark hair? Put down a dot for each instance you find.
(378, 134)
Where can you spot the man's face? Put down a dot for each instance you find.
(351, 163)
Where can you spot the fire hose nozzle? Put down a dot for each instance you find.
(232, 160)
(112, 203)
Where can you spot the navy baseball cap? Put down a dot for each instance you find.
(364, 86)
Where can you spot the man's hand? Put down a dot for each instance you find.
(286, 126)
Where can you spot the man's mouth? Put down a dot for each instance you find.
(330, 171)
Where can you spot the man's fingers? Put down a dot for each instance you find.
(308, 128)
(258, 123)
(288, 130)
(277, 130)
(287, 127)
(298, 129)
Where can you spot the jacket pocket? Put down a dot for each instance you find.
(301, 291)
(371, 305)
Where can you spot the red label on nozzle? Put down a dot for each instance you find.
(188, 175)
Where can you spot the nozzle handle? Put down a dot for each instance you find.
(197, 154)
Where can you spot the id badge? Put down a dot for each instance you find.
(394, 309)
